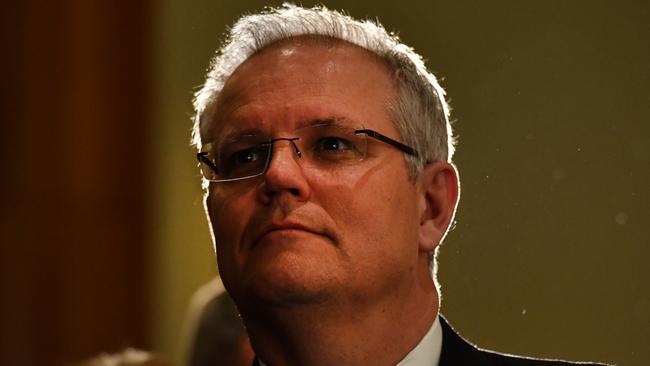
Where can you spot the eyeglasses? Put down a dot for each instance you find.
(323, 146)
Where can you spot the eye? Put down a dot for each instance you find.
(333, 144)
(244, 157)
(244, 161)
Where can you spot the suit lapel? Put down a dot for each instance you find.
(456, 351)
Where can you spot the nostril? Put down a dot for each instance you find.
(295, 191)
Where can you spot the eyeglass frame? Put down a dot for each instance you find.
(202, 156)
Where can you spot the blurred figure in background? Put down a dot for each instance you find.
(214, 331)
(128, 357)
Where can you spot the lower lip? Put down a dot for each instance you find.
(283, 233)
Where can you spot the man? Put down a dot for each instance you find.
(326, 149)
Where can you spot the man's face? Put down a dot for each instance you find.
(295, 235)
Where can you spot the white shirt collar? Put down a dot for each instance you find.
(426, 353)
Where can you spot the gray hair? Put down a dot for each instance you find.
(420, 113)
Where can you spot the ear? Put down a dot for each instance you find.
(439, 192)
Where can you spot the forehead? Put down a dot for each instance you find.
(305, 78)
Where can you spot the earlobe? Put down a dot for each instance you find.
(439, 197)
(428, 237)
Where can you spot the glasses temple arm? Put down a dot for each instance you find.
(202, 157)
(376, 135)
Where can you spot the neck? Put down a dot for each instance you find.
(333, 334)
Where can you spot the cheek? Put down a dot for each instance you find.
(375, 213)
(228, 216)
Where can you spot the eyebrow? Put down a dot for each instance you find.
(329, 121)
(236, 136)
(239, 135)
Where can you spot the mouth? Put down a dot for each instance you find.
(287, 228)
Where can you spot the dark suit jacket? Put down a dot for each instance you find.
(458, 352)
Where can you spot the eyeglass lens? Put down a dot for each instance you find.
(327, 146)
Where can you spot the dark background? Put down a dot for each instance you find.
(102, 239)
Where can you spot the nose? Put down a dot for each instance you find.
(284, 175)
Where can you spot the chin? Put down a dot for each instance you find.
(289, 281)
(278, 295)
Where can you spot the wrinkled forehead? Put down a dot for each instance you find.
(275, 55)
(281, 52)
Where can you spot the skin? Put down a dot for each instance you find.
(349, 260)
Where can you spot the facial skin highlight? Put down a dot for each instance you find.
(297, 236)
